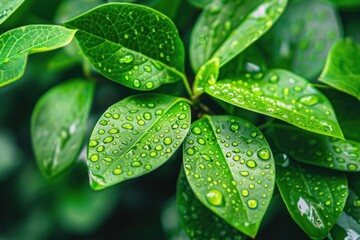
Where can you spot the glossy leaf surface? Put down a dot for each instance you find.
(230, 167)
(207, 74)
(131, 44)
(280, 94)
(58, 125)
(342, 67)
(17, 44)
(318, 149)
(314, 197)
(226, 28)
(197, 220)
(7, 7)
(301, 39)
(135, 136)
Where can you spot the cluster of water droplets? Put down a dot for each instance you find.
(193, 212)
(137, 135)
(320, 150)
(279, 94)
(315, 196)
(146, 47)
(230, 164)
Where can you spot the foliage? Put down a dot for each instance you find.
(248, 124)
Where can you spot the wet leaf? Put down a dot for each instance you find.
(342, 67)
(58, 125)
(280, 94)
(313, 196)
(7, 7)
(301, 39)
(197, 220)
(230, 167)
(318, 149)
(346, 228)
(135, 136)
(17, 44)
(131, 44)
(207, 74)
(226, 28)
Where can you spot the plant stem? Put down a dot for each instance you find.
(187, 86)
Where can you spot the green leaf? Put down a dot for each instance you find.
(346, 228)
(342, 67)
(17, 44)
(135, 136)
(58, 125)
(207, 74)
(229, 166)
(226, 28)
(7, 7)
(131, 44)
(314, 197)
(280, 94)
(197, 220)
(69, 8)
(301, 39)
(318, 149)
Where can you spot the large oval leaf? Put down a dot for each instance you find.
(131, 44)
(318, 149)
(280, 94)
(16, 44)
(314, 197)
(301, 39)
(226, 28)
(58, 125)
(135, 136)
(342, 67)
(198, 221)
(7, 7)
(229, 166)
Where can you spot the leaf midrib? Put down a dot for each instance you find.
(231, 173)
(173, 69)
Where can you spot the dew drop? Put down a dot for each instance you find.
(167, 141)
(147, 68)
(234, 127)
(214, 197)
(196, 130)
(251, 163)
(206, 157)
(127, 126)
(93, 143)
(108, 139)
(264, 154)
(352, 167)
(309, 100)
(117, 171)
(129, 58)
(137, 83)
(252, 203)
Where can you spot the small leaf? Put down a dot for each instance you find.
(318, 149)
(342, 67)
(226, 28)
(58, 125)
(17, 44)
(135, 136)
(131, 44)
(229, 166)
(280, 94)
(314, 197)
(7, 7)
(301, 39)
(197, 220)
(207, 74)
